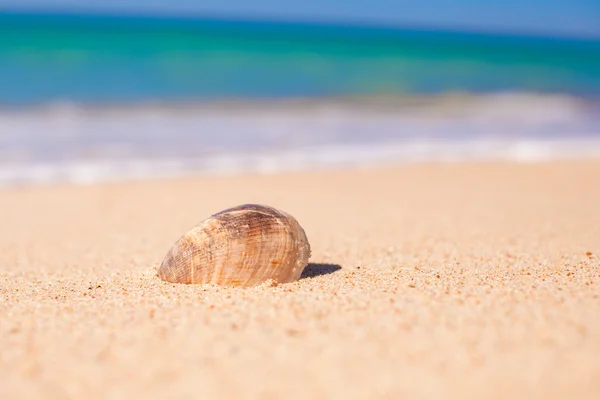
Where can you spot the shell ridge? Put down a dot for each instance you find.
(291, 272)
(209, 250)
(219, 262)
(264, 254)
(193, 266)
(253, 252)
(194, 249)
(277, 259)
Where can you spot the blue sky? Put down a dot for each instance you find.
(554, 17)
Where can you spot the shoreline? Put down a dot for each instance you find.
(315, 159)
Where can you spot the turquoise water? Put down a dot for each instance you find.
(88, 98)
(108, 58)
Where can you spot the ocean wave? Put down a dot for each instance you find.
(75, 143)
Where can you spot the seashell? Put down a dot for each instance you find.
(240, 246)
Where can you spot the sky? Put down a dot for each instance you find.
(546, 17)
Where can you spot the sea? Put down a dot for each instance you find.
(87, 97)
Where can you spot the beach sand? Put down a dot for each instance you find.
(454, 281)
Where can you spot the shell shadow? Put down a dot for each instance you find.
(313, 269)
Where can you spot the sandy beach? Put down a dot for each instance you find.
(439, 281)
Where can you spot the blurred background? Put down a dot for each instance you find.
(96, 90)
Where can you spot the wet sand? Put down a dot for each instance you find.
(453, 281)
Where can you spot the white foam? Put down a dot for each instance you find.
(87, 172)
(83, 145)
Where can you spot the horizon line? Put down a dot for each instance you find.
(351, 23)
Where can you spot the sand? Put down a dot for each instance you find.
(454, 281)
